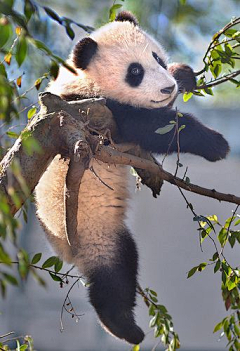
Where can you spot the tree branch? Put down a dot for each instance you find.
(219, 80)
(111, 156)
(68, 133)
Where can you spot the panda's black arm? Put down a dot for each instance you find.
(139, 125)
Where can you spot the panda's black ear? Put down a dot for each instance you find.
(84, 52)
(126, 16)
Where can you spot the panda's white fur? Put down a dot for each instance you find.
(107, 254)
(101, 211)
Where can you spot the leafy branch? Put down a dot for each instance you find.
(221, 53)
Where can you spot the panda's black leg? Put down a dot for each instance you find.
(112, 291)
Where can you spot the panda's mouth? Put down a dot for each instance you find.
(157, 102)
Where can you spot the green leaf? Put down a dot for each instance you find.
(36, 258)
(153, 292)
(231, 240)
(208, 91)
(154, 299)
(153, 321)
(38, 83)
(228, 49)
(54, 69)
(18, 345)
(237, 222)
(181, 128)
(3, 70)
(217, 266)
(29, 9)
(214, 55)
(12, 135)
(70, 31)
(10, 278)
(187, 96)
(224, 277)
(52, 14)
(165, 129)
(215, 69)
(41, 46)
(162, 309)
(7, 10)
(151, 310)
(218, 326)
(3, 287)
(222, 236)
(230, 32)
(112, 12)
(202, 266)
(21, 50)
(192, 271)
(55, 277)
(23, 264)
(58, 265)
(50, 262)
(10, 2)
(5, 31)
(231, 284)
(31, 112)
(4, 256)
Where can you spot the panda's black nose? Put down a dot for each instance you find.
(168, 90)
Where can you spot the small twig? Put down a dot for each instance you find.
(101, 181)
(185, 173)
(218, 80)
(5, 335)
(178, 145)
(189, 205)
(14, 338)
(63, 306)
(49, 270)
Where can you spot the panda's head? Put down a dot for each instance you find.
(124, 63)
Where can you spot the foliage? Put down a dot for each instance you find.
(22, 343)
(229, 233)
(160, 321)
(16, 42)
(221, 56)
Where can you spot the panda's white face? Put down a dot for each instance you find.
(130, 67)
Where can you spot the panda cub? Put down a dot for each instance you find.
(125, 65)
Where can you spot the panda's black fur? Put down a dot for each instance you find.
(126, 66)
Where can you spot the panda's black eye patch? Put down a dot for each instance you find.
(135, 74)
(159, 60)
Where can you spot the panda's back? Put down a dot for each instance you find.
(101, 210)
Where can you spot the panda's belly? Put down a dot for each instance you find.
(101, 211)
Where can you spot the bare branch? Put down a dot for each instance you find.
(111, 156)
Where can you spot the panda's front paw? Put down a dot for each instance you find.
(217, 148)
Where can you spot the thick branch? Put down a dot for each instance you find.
(56, 133)
(63, 128)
